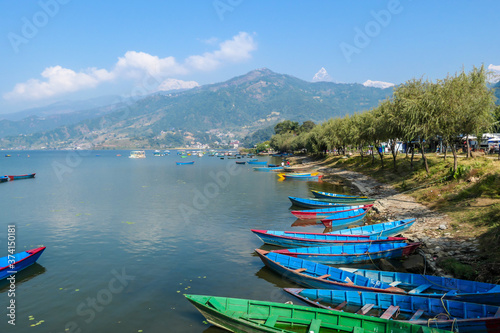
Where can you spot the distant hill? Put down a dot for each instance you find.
(496, 86)
(216, 112)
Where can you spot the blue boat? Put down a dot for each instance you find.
(436, 286)
(240, 162)
(310, 203)
(308, 178)
(351, 253)
(4, 179)
(19, 261)
(301, 239)
(268, 169)
(444, 314)
(380, 229)
(318, 276)
(184, 163)
(322, 213)
(257, 162)
(345, 218)
(328, 195)
(252, 160)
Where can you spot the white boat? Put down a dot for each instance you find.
(137, 154)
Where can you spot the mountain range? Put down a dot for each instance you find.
(205, 114)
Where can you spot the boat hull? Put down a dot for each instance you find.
(308, 203)
(184, 163)
(30, 259)
(257, 162)
(327, 195)
(267, 169)
(296, 239)
(351, 254)
(345, 218)
(381, 229)
(322, 213)
(31, 175)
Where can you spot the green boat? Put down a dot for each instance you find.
(243, 315)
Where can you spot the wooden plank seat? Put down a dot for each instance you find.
(394, 283)
(419, 289)
(271, 321)
(390, 312)
(324, 276)
(365, 309)
(341, 305)
(300, 270)
(417, 315)
(315, 326)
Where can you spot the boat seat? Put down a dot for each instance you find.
(324, 276)
(365, 309)
(213, 302)
(271, 321)
(300, 270)
(393, 309)
(417, 315)
(394, 283)
(341, 305)
(497, 315)
(495, 289)
(315, 326)
(419, 289)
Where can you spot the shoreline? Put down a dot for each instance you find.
(431, 229)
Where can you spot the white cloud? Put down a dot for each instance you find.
(234, 50)
(495, 77)
(136, 66)
(58, 81)
(377, 84)
(174, 84)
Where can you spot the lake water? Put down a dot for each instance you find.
(126, 238)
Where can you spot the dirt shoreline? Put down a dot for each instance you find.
(431, 228)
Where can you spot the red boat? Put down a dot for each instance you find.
(31, 175)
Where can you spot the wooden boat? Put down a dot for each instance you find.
(353, 201)
(345, 218)
(436, 286)
(4, 179)
(322, 213)
(352, 253)
(380, 229)
(243, 315)
(318, 276)
(425, 311)
(240, 162)
(257, 162)
(184, 163)
(267, 169)
(137, 154)
(321, 194)
(31, 175)
(310, 203)
(21, 261)
(273, 165)
(301, 239)
(252, 160)
(308, 178)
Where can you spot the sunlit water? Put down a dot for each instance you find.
(126, 238)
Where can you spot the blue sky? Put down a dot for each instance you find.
(54, 50)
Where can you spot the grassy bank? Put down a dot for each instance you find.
(470, 197)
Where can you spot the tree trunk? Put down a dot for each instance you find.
(424, 157)
(412, 155)
(373, 155)
(455, 157)
(361, 153)
(381, 154)
(394, 152)
(445, 151)
(407, 148)
(467, 145)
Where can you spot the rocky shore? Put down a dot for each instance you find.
(431, 229)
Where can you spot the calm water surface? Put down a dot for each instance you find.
(126, 238)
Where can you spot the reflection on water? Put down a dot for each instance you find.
(23, 276)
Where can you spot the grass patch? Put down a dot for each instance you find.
(457, 269)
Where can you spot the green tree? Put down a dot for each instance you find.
(286, 126)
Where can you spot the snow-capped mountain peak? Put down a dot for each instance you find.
(377, 84)
(322, 75)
